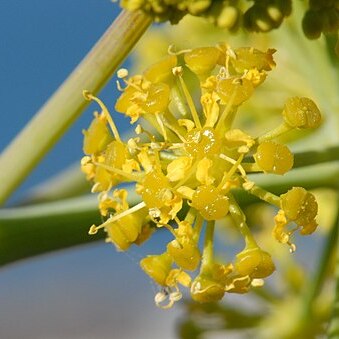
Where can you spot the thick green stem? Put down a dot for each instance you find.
(31, 230)
(60, 111)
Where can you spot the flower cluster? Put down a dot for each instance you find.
(321, 17)
(186, 163)
(260, 16)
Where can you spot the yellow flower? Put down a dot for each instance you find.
(275, 158)
(186, 164)
(185, 253)
(254, 262)
(158, 267)
(209, 286)
(97, 136)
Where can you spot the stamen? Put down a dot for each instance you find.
(175, 296)
(176, 145)
(257, 283)
(120, 89)
(130, 176)
(178, 72)
(171, 126)
(226, 112)
(122, 73)
(171, 50)
(162, 126)
(89, 96)
(116, 217)
(188, 176)
(139, 129)
(293, 247)
(236, 165)
(160, 298)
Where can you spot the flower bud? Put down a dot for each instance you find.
(162, 70)
(97, 136)
(299, 205)
(185, 254)
(255, 263)
(125, 231)
(204, 289)
(235, 90)
(157, 267)
(301, 113)
(274, 158)
(209, 201)
(202, 60)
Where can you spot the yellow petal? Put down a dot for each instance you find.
(187, 123)
(186, 192)
(202, 171)
(178, 168)
(236, 138)
(210, 108)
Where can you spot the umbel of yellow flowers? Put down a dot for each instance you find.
(186, 165)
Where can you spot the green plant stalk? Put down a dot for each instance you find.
(316, 282)
(66, 104)
(31, 230)
(333, 330)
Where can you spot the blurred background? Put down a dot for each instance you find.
(90, 291)
(93, 291)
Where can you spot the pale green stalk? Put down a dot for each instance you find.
(66, 104)
(207, 255)
(333, 330)
(31, 230)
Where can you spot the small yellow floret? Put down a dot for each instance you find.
(301, 113)
(299, 206)
(210, 202)
(274, 158)
(157, 267)
(202, 60)
(185, 254)
(206, 289)
(235, 90)
(254, 262)
(97, 136)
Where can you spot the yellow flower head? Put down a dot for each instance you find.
(186, 164)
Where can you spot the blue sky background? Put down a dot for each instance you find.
(41, 43)
(87, 292)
